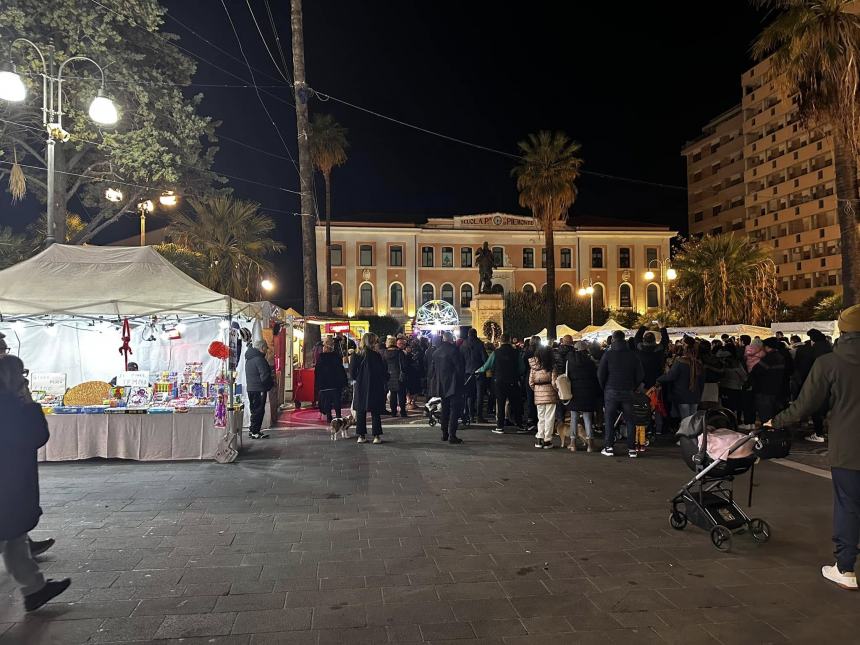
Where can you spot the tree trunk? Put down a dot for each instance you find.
(309, 252)
(328, 300)
(848, 208)
(549, 233)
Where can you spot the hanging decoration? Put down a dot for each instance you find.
(217, 349)
(221, 408)
(125, 349)
(17, 180)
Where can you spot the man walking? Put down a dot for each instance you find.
(448, 370)
(258, 381)
(833, 379)
(508, 367)
(620, 373)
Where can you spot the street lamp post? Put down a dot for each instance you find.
(587, 289)
(168, 198)
(102, 111)
(667, 274)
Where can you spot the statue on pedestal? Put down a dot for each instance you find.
(485, 263)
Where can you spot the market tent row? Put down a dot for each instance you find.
(560, 332)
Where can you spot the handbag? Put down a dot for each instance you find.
(226, 452)
(773, 444)
(563, 385)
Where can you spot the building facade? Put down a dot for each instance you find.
(392, 269)
(788, 186)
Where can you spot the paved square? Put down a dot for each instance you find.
(309, 541)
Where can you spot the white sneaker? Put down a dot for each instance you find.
(844, 580)
(607, 452)
(377, 439)
(538, 443)
(633, 454)
(362, 439)
(815, 438)
(498, 431)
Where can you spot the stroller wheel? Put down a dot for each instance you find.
(431, 421)
(721, 537)
(678, 520)
(760, 530)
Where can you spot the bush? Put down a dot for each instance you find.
(382, 326)
(525, 313)
(829, 308)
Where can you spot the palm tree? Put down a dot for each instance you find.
(724, 280)
(328, 150)
(814, 47)
(234, 240)
(545, 176)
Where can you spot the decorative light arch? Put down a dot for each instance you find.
(436, 315)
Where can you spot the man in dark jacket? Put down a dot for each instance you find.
(806, 355)
(768, 381)
(620, 373)
(474, 356)
(651, 354)
(833, 380)
(258, 381)
(508, 367)
(448, 370)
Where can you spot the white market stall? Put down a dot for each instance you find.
(560, 332)
(599, 332)
(716, 331)
(826, 327)
(63, 312)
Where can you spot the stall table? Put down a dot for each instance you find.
(141, 437)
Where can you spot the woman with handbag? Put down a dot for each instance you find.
(370, 374)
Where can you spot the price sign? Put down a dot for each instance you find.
(133, 379)
(48, 382)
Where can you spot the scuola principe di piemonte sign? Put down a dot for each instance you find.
(492, 221)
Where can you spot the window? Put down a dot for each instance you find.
(448, 293)
(337, 295)
(625, 296)
(624, 258)
(499, 256)
(466, 257)
(365, 299)
(528, 288)
(544, 290)
(543, 258)
(336, 255)
(566, 291)
(428, 293)
(528, 258)
(465, 296)
(395, 256)
(566, 261)
(596, 258)
(365, 255)
(396, 300)
(599, 301)
(447, 256)
(698, 216)
(653, 296)
(427, 256)
(650, 255)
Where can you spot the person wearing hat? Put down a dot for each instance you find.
(833, 380)
(258, 382)
(806, 355)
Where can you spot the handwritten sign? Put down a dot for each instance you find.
(48, 382)
(133, 379)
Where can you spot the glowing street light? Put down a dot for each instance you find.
(587, 289)
(113, 195)
(168, 198)
(267, 284)
(667, 274)
(12, 88)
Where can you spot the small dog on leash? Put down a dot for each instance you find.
(340, 426)
(562, 429)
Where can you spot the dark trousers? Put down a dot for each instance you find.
(846, 517)
(488, 388)
(531, 408)
(508, 393)
(395, 397)
(767, 406)
(330, 399)
(818, 423)
(258, 410)
(748, 403)
(471, 398)
(616, 401)
(361, 423)
(452, 407)
(733, 400)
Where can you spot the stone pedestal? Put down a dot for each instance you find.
(487, 306)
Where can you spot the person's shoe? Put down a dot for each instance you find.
(607, 452)
(444, 437)
(538, 443)
(38, 547)
(377, 439)
(455, 440)
(589, 445)
(498, 431)
(632, 454)
(547, 445)
(361, 439)
(844, 580)
(253, 435)
(815, 438)
(52, 589)
(526, 431)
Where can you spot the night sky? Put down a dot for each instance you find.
(630, 81)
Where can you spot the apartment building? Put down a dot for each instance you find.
(788, 186)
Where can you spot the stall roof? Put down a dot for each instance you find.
(106, 280)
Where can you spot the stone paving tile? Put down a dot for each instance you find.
(176, 605)
(191, 625)
(135, 628)
(273, 620)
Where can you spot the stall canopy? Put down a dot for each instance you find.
(605, 329)
(718, 330)
(560, 332)
(107, 280)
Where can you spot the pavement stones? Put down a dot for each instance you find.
(308, 541)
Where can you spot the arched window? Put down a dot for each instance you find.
(625, 296)
(365, 295)
(428, 293)
(566, 290)
(543, 290)
(465, 295)
(337, 295)
(396, 299)
(528, 287)
(652, 293)
(448, 293)
(599, 300)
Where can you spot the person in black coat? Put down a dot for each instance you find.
(330, 379)
(474, 356)
(587, 395)
(620, 373)
(370, 374)
(448, 370)
(651, 354)
(816, 347)
(768, 381)
(396, 377)
(24, 430)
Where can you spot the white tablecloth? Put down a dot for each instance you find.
(142, 437)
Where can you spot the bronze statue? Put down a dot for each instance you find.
(485, 263)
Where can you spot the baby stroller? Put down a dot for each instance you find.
(707, 500)
(433, 409)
